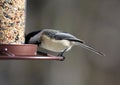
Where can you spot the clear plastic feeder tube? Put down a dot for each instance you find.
(12, 21)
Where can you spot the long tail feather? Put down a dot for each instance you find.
(91, 49)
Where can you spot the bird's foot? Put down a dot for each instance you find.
(63, 57)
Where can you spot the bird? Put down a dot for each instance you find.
(56, 41)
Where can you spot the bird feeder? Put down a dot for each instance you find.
(12, 30)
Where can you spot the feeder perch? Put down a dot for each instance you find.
(12, 29)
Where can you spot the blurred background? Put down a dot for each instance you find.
(95, 21)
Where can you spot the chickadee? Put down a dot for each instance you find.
(56, 41)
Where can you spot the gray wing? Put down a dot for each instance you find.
(55, 34)
(66, 36)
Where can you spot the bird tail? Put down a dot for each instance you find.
(90, 48)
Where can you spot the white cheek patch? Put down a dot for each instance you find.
(35, 38)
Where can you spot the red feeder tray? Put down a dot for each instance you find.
(23, 52)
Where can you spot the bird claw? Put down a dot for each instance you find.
(63, 58)
(61, 55)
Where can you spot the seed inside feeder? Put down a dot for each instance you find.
(12, 21)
